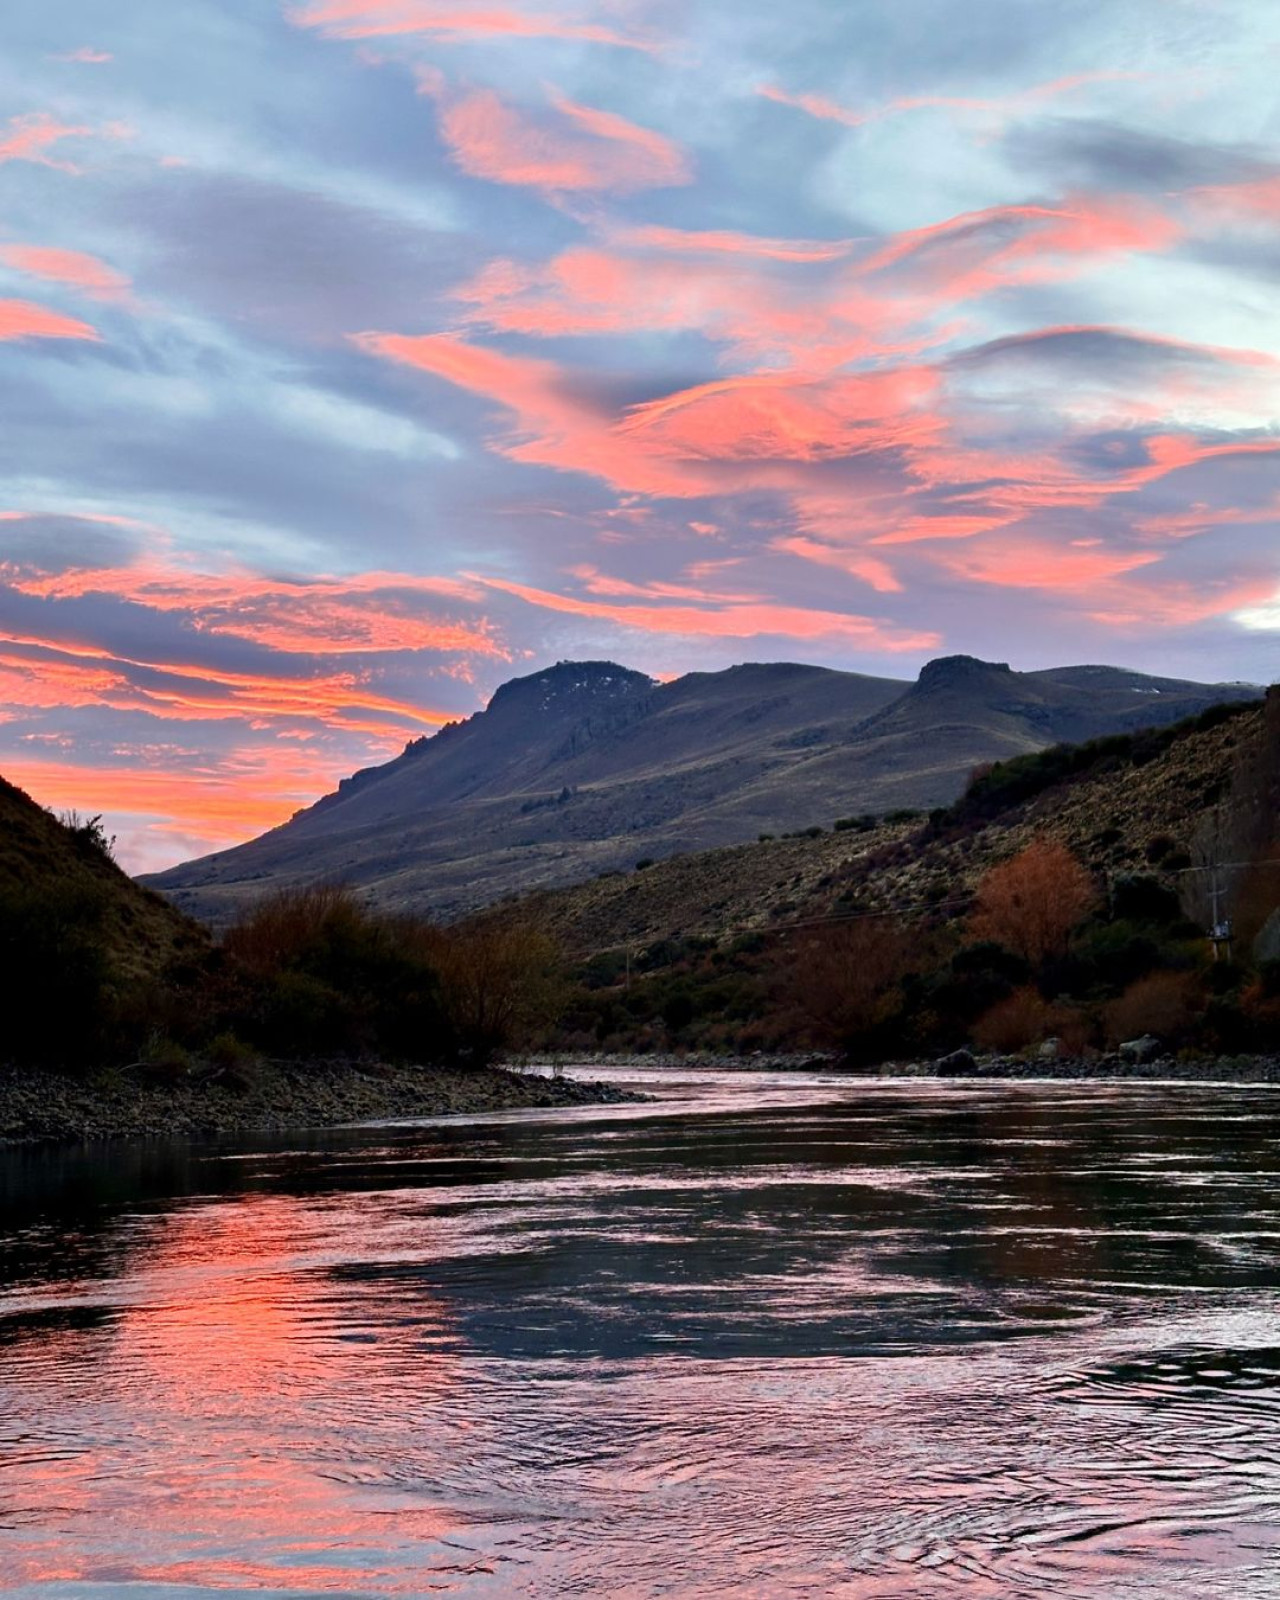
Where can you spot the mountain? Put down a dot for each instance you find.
(585, 767)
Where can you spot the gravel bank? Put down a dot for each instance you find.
(37, 1106)
(1096, 1068)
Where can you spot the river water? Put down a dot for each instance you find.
(768, 1336)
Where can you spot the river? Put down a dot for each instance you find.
(771, 1335)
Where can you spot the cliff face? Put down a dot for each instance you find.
(587, 766)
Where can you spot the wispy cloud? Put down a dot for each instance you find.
(444, 19)
(21, 319)
(34, 136)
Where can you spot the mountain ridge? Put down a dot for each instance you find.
(584, 767)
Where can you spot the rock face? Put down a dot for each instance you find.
(587, 767)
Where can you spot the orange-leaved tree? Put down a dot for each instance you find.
(1031, 903)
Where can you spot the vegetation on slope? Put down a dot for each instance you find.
(99, 971)
(899, 941)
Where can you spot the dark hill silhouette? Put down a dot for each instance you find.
(586, 767)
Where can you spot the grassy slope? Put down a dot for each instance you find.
(37, 853)
(1107, 817)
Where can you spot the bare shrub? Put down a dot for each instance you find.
(844, 981)
(281, 927)
(500, 982)
(1022, 1020)
(1165, 1004)
(1032, 903)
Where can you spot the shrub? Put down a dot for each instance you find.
(1032, 903)
(499, 984)
(1023, 1019)
(88, 834)
(331, 978)
(1165, 1004)
(845, 983)
(1136, 897)
(862, 824)
(165, 1061)
(59, 998)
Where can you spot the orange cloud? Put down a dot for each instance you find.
(552, 426)
(20, 319)
(33, 136)
(735, 621)
(216, 804)
(371, 19)
(64, 266)
(371, 611)
(579, 150)
(737, 433)
(41, 673)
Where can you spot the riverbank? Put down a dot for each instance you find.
(40, 1106)
(963, 1065)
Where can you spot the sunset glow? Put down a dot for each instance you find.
(366, 353)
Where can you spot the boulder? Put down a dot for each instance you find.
(959, 1064)
(1139, 1051)
(1050, 1050)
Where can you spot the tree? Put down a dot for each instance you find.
(1033, 902)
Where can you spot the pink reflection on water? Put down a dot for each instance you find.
(189, 1438)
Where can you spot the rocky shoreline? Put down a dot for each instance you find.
(39, 1106)
(1096, 1068)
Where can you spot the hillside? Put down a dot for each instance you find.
(52, 863)
(721, 949)
(587, 767)
(1109, 816)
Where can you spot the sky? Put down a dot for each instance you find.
(359, 355)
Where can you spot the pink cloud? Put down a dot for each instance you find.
(868, 569)
(64, 266)
(552, 425)
(968, 256)
(781, 418)
(734, 621)
(762, 309)
(750, 245)
(1140, 608)
(575, 149)
(1035, 563)
(33, 136)
(371, 19)
(20, 319)
(827, 110)
(86, 55)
